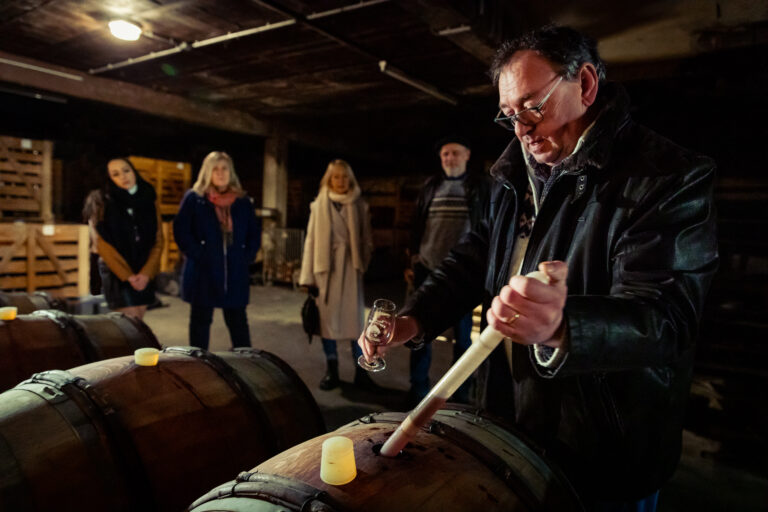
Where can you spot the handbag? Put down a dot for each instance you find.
(310, 317)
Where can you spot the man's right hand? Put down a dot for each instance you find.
(406, 328)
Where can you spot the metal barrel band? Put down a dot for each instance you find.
(93, 418)
(66, 321)
(236, 383)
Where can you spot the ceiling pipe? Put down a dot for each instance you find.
(182, 47)
(413, 82)
(454, 30)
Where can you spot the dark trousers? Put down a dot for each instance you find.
(329, 349)
(200, 319)
(422, 359)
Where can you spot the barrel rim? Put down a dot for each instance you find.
(277, 489)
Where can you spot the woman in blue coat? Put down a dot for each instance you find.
(218, 232)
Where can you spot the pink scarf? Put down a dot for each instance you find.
(222, 202)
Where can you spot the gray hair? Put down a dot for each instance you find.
(565, 47)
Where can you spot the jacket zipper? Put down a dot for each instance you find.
(224, 244)
(506, 260)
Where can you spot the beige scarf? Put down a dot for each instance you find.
(322, 256)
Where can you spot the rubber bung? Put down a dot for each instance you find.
(146, 356)
(337, 463)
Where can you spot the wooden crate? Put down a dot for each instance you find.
(170, 255)
(170, 179)
(25, 179)
(51, 257)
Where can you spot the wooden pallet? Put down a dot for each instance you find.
(52, 257)
(170, 255)
(170, 179)
(25, 179)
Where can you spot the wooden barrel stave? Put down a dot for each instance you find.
(460, 462)
(281, 409)
(166, 433)
(49, 339)
(29, 302)
(31, 344)
(45, 468)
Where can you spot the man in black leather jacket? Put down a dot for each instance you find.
(597, 365)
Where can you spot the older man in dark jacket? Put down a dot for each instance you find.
(597, 363)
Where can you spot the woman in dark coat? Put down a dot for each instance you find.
(128, 238)
(218, 232)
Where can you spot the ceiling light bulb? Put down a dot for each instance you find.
(125, 30)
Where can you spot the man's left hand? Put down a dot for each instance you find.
(530, 312)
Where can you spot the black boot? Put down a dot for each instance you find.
(364, 381)
(331, 379)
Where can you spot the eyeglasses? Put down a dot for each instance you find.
(527, 116)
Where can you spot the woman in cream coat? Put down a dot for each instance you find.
(336, 253)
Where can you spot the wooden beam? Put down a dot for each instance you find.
(440, 17)
(42, 75)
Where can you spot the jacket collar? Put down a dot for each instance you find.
(613, 105)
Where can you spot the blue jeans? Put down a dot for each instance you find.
(200, 319)
(329, 348)
(647, 504)
(422, 359)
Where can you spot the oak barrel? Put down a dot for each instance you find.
(29, 302)
(48, 339)
(459, 462)
(116, 436)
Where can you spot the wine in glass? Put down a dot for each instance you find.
(379, 331)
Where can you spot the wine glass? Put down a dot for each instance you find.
(379, 331)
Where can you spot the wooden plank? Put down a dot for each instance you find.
(21, 205)
(169, 209)
(14, 177)
(13, 191)
(14, 165)
(15, 143)
(62, 232)
(58, 249)
(170, 180)
(46, 190)
(49, 251)
(38, 281)
(20, 266)
(9, 251)
(84, 260)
